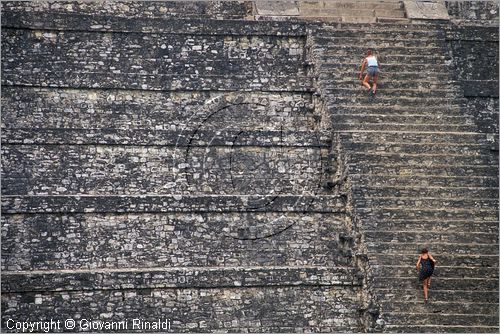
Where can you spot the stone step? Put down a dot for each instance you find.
(333, 42)
(425, 159)
(381, 48)
(431, 176)
(407, 213)
(429, 328)
(438, 283)
(449, 254)
(368, 121)
(382, 253)
(436, 226)
(453, 114)
(440, 329)
(374, 147)
(332, 66)
(453, 319)
(399, 295)
(446, 307)
(387, 82)
(436, 38)
(422, 159)
(380, 34)
(419, 192)
(394, 5)
(319, 18)
(357, 90)
(339, 127)
(428, 202)
(426, 226)
(392, 89)
(319, 50)
(385, 27)
(388, 26)
(400, 20)
(404, 236)
(334, 56)
(413, 180)
(346, 12)
(380, 100)
(352, 17)
(417, 77)
(454, 111)
(440, 271)
(433, 138)
(416, 137)
(403, 119)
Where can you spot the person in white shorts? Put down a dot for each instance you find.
(371, 64)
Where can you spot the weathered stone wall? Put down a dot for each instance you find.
(475, 11)
(176, 169)
(260, 309)
(139, 142)
(147, 9)
(134, 240)
(475, 59)
(151, 61)
(168, 169)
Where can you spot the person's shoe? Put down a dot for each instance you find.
(426, 301)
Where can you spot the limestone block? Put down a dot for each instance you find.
(426, 10)
(285, 8)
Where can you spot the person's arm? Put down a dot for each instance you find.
(430, 257)
(418, 262)
(362, 69)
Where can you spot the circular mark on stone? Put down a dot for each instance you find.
(237, 146)
(268, 182)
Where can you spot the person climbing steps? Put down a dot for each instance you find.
(371, 64)
(425, 264)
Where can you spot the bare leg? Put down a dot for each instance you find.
(365, 82)
(375, 78)
(426, 288)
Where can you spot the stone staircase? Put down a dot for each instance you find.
(367, 11)
(156, 163)
(420, 172)
(160, 168)
(352, 11)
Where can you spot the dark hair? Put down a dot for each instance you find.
(425, 250)
(369, 52)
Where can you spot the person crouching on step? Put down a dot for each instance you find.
(426, 265)
(371, 64)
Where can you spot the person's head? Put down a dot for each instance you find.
(424, 251)
(369, 52)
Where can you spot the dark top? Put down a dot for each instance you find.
(426, 268)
